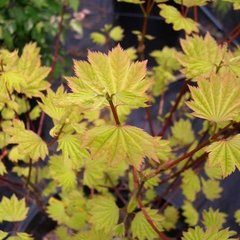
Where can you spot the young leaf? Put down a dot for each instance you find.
(171, 215)
(98, 38)
(211, 189)
(191, 3)
(141, 228)
(13, 210)
(202, 55)
(105, 213)
(29, 143)
(107, 76)
(213, 219)
(120, 230)
(116, 33)
(226, 154)
(3, 235)
(132, 1)
(193, 234)
(35, 113)
(213, 172)
(216, 99)
(119, 143)
(190, 184)
(152, 182)
(62, 172)
(24, 236)
(182, 132)
(236, 3)
(237, 216)
(2, 168)
(56, 211)
(190, 213)
(179, 22)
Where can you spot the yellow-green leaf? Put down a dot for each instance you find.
(56, 211)
(236, 3)
(192, 3)
(211, 189)
(105, 213)
(35, 113)
(119, 143)
(116, 33)
(132, 1)
(2, 168)
(3, 234)
(24, 236)
(213, 172)
(190, 184)
(213, 219)
(190, 213)
(226, 154)
(29, 143)
(120, 230)
(237, 216)
(193, 234)
(141, 229)
(13, 210)
(172, 15)
(216, 99)
(171, 215)
(98, 38)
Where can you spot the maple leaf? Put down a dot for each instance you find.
(105, 213)
(211, 189)
(213, 219)
(190, 213)
(192, 3)
(237, 216)
(13, 210)
(29, 143)
(190, 184)
(105, 76)
(98, 38)
(202, 55)
(236, 3)
(225, 153)
(172, 15)
(116, 33)
(141, 228)
(119, 143)
(171, 215)
(216, 99)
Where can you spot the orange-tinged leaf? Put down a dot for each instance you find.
(119, 143)
(179, 22)
(225, 153)
(216, 99)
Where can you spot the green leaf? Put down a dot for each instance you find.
(24, 236)
(190, 184)
(3, 234)
(191, 3)
(211, 189)
(152, 182)
(13, 80)
(116, 33)
(202, 55)
(213, 172)
(190, 213)
(107, 76)
(120, 230)
(70, 146)
(29, 143)
(2, 168)
(213, 219)
(141, 229)
(236, 3)
(74, 4)
(98, 38)
(226, 154)
(119, 143)
(62, 172)
(171, 215)
(172, 15)
(193, 234)
(105, 213)
(216, 99)
(182, 132)
(56, 210)
(76, 26)
(35, 113)
(237, 216)
(13, 210)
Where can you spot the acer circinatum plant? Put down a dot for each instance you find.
(131, 175)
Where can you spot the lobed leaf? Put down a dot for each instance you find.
(237, 216)
(105, 213)
(226, 154)
(172, 15)
(236, 3)
(216, 99)
(119, 143)
(171, 215)
(211, 189)
(13, 210)
(190, 213)
(192, 3)
(141, 229)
